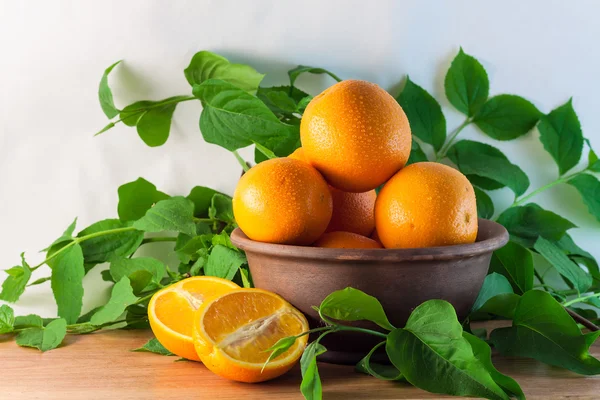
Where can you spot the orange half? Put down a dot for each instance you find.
(171, 311)
(233, 332)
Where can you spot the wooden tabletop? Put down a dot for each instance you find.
(100, 366)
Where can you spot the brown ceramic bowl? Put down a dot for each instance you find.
(400, 278)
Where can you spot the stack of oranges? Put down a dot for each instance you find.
(355, 137)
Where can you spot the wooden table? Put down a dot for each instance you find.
(100, 366)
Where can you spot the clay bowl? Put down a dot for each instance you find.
(400, 278)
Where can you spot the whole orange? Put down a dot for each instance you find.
(346, 240)
(282, 201)
(426, 204)
(356, 134)
(352, 212)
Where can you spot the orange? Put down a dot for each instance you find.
(233, 332)
(346, 240)
(282, 201)
(352, 212)
(426, 204)
(171, 311)
(298, 154)
(356, 134)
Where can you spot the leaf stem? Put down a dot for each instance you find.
(241, 161)
(442, 153)
(580, 299)
(132, 113)
(158, 239)
(82, 239)
(361, 330)
(564, 179)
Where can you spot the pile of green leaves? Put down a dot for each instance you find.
(238, 112)
(435, 353)
(198, 227)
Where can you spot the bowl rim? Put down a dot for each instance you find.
(494, 236)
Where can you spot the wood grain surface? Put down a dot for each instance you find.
(100, 366)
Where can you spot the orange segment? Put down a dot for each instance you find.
(233, 332)
(171, 311)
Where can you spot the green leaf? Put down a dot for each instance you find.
(154, 125)
(202, 198)
(589, 188)
(174, 214)
(567, 268)
(282, 100)
(188, 251)
(104, 248)
(221, 208)
(124, 267)
(433, 355)
(280, 347)
(44, 338)
(515, 262)
(66, 237)
(483, 160)
(199, 263)
(131, 114)
(506, 117)
(281, 147)
(483, 353)
(427, 122)
(67, 282)
(224, 262)
(29, 321)
(7, 319)
(121, 297)
(530, 221)
(560, 133)
(466, 84)
(485, 205)
(542, 329)
(233, 119)
(105, 94)
(206, 65)
(493, 285)
(416, 153)
(154, 346)
(354, 305)
(39, 281)
(503, 305)
(108, 126)
(223, 239)
(380, 371)
(311, 381)
(246, 278)
(139, 280)
(579, 255)
(301, 69)
(16, 281)
(137, 197)
(302, 104)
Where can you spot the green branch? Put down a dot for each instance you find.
(82, 239)
(452, 136)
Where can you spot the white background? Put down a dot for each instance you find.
(53, 53)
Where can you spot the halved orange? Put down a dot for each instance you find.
(233, 332)
(171, 311)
